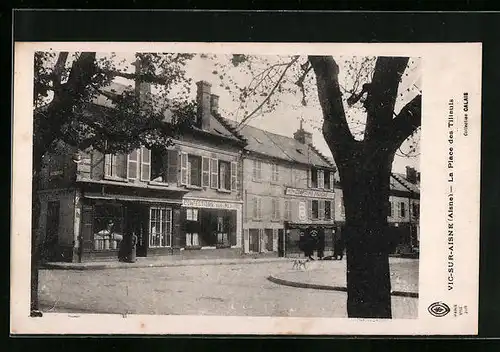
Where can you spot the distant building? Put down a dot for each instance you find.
(287, 185)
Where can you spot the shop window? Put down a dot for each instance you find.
(192, 227)
(222, 232)
(224, 175)
(328, 210)
(108, 223)
(160, 227)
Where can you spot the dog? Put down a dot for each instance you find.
(300, 263)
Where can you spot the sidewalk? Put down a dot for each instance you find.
(331, 275)
(167, 261)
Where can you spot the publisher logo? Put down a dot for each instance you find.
(439, 309)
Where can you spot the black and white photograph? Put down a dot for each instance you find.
(237, 183)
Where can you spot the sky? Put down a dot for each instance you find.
(285, 118)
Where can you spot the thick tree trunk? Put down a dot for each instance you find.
(35, 240)
(366, 192)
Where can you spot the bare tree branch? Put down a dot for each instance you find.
(406, 122)
(335, 127)
(382, 96)
(246, 118)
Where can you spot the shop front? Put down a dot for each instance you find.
(107, 220)
(211, 225)
(325, 233)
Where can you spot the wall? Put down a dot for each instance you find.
(58, 169)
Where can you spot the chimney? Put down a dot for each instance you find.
(418, 176)
(411, 174)
(303, 136)
(142, 89)
(203, 99)
(214, 103)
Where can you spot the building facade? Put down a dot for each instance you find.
(287, 185)
(181, 200)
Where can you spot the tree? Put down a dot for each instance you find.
(364, 157)
(65, 86)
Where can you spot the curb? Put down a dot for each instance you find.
(331, 288)
(114, 265)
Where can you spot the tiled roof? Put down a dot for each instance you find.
(409, 186)
(217, 125)
(281, 147)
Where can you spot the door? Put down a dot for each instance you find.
(51, 232)
(136, 216)
(281, 243)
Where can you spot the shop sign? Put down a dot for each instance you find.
(202, 203)
(301, 192)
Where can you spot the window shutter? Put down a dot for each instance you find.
(184, 169)
(309, 180)
(321, 179)
(172, 161)
(132, 164)
(259, 208)
(321, 209)
(145, 164)
(309, 209)
(113, 165)
(205, 170)
(332, 179)
(214, 173)
(234, 176)
(107, 164)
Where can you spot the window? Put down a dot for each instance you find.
(108, 219)
(256, 208)
(222, 232)
(115, 165)
(160, 227)
(328, 179)
(314, 178)
(342, 207)
(415, 210)
(288, 210)
(328, 210)
(190, 170)
(192, 236)
(275, 206)
(257, 170)
(321, 179)
(403, 210)
(224, 175)
(315, 209)
(275, 175)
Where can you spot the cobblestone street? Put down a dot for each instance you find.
(238, 289)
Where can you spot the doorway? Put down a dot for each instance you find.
(51, 242)
(136, 224)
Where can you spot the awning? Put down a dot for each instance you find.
(129, 198)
